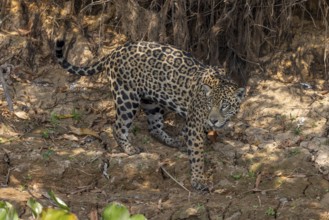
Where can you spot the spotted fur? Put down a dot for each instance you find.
(155, 78)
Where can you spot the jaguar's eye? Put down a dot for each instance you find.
(225, 107)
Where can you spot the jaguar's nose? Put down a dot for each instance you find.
(213, 120)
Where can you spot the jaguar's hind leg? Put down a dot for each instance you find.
(127, 105)
(155, 116)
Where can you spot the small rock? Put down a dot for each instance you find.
(22, 115)
(257, 135)
(325, 201)
(322, 161)
(253, 148)
(286, 139)
(270, 145)
(283, 201)
(304, 144)
(224, 183)
(193, 213)
(319, 148)
(317, 142)
(236, 215)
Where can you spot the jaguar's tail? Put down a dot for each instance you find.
(82, 71)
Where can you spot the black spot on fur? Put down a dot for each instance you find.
(125, 96)
(130, 115)
(154, 111)
(59, 53)
(65, 65)
(119, 82)
(124, 117)
(60, 43)
(128, 105)
(99, 68)
(163, 103)
(119, 100)
(91, 72)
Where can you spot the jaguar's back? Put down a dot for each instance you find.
(157, 72)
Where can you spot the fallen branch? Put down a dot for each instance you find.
(84, 188)
(6, 68)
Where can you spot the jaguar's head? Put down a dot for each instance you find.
(224, 99)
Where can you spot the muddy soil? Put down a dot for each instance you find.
(270, 162)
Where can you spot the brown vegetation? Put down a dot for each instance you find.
(238, 33)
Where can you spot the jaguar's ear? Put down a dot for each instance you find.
(240, 93)
(207, 89)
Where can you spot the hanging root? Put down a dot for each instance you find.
(5, 69)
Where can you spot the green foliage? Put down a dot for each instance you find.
(7, 211)
(115, 211)
(297, 131)
(270, 212)
(135, 130)
(236, 176)
(76, 115)
(46, 155)
(45, 134)
(49, 213)
(251, 174)
(146, 140)
(54, 119)
(57, 214)
(35, 207)
(200, 207)
(294, 152)
(60, 203)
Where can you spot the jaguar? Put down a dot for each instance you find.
(157, 78)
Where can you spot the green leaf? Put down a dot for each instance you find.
(35, 207)
(3, 214)
(2, 204)
(57, 214)
(61, 204)
(138, 217)
(7, 211)
(115, 211)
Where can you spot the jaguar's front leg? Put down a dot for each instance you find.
(195, 143)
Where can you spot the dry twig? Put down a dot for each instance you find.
(176, 181)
